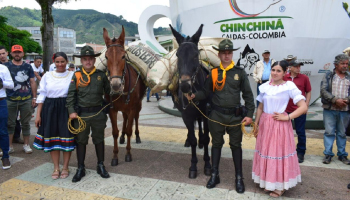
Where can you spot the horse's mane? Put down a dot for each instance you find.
(114, 39)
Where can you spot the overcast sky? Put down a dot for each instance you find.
(130, 9)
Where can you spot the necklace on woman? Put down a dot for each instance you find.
(52, 73)
(277, 84)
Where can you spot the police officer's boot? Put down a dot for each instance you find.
(81, 151)
(237, 160)
(215, 159)
(100, 152)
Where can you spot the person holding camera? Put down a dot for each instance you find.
(226, 83)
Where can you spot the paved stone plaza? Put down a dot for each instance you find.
(160, 165)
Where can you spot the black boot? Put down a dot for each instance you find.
(237, 160)
(81, 151)
(100, 152)
(215, 159)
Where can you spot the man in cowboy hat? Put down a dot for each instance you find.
(227, 82)
(262, 71)
(85, 98)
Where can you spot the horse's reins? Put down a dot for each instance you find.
(192, 81)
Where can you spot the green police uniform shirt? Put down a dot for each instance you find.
(230, 96)
(91, 95)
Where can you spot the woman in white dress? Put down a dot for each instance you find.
(275, 164)
(52, 116)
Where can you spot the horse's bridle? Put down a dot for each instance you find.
(192, 79)
(122, 77)
(124, 70)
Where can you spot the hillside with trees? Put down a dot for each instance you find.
(10, 35)
(88, 24)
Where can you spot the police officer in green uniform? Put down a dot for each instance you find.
(226, 83)
(85, 98)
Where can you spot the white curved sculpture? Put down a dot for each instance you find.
(146, 23)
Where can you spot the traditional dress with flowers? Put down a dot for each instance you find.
(275, 165)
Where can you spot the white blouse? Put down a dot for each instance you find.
(275, 97)
(54, 85)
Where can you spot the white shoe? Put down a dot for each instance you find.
(11, 149)
(27, 149)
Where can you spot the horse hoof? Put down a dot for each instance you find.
(121, 140)
(192, 174)
(207, 171)
(187, 143)
(114, 162)
(200, 146)
(138, 140)
(128, 158)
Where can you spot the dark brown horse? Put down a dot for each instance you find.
(125, 82)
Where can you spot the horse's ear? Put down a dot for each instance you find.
(106, 37)
(179, 38)
(122, 36)
(197, 35)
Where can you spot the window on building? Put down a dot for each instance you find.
(36, 32)
(66, 34)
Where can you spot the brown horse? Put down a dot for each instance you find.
(125, 82)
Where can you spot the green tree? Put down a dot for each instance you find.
(47, 30)
(10, 35)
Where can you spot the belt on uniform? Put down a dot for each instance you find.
(2, 98)
(227, 111)
(90, 109)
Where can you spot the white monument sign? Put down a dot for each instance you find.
(313, 30)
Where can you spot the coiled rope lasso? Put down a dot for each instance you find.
(82, 123)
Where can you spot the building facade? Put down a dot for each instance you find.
(64, 39)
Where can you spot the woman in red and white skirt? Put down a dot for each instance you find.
(275, 165)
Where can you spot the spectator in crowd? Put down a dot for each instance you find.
(5, 83)
(335, 88)
(71, 67)
(148, 95)
(51, 120)
(38, 69)
(3, 55)
(275, 163)
(22, 97)
(262, 71)
(289, 59)
(303, 84)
